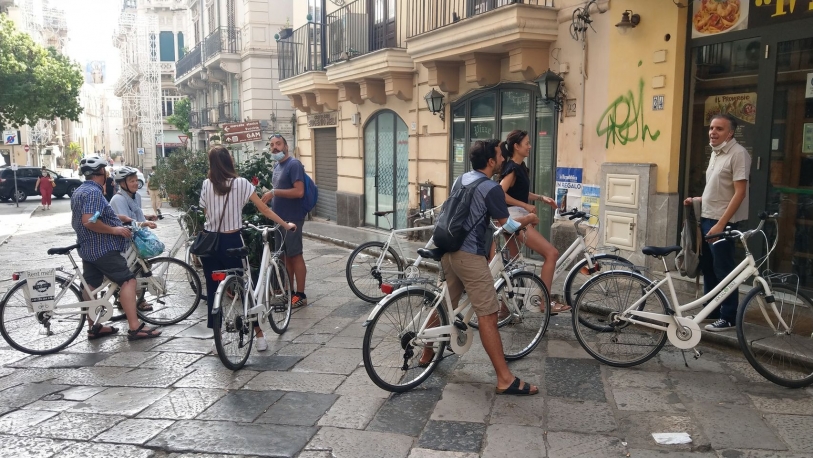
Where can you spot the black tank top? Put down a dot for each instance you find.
(522, 184)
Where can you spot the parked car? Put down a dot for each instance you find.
(27, 178)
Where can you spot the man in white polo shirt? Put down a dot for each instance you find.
(724, 204)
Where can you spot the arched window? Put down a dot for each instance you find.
(386, 169)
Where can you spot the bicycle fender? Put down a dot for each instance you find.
(216, 304)
(387, 299)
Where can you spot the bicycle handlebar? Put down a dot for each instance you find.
(733, 233)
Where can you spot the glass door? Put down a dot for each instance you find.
(383, 16)
(790, 183)
(386, 168)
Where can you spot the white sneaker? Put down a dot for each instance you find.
(262, 345)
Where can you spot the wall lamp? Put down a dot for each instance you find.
(434, 100)
(628, 21)
(550, 86)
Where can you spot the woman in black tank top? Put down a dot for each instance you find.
(516, 183)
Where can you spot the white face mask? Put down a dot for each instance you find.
(277, 156)
(717, 148)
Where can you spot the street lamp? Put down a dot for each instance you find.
(434, 100)
(550, 86)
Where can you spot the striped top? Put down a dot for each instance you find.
(241, 191)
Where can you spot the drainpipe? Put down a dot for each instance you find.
(584, 91)
(323, 33)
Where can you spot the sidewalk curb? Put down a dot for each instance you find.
(334, 241)
(4, 239)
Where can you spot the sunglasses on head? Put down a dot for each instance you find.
(275, 136)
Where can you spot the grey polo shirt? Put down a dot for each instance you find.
(730, 164)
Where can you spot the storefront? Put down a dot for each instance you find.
(760, 70)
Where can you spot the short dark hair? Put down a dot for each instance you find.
(481, 151)
(732, 121)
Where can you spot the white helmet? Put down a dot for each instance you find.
(122, 173)
(90, 165)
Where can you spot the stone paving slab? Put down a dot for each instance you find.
(120, 401)
(74, 426)
(515, 442)
(579, 416)
(795, 430)
(564, 444)
(126, 359)
(513, 410)
(464, 402)
(636, 428)
(406, 413)
(574, 378)
(429, 453)
(17, 421)
(233, 438)
(352, 411)
(183, 404)
(88, 450)
(174, 360)
(360, 444)
(31, 447)
(295, 381)
(298, 409)
(330, 361)
(735, 426)
(61, 360)
(241, 406)
(456, 436)
(134, 431)
(216, 378)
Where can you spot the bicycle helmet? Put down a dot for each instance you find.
(122, 173)
(90, 165)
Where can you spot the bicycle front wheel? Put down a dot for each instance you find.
(279, 297)
(365, 274)
(392, 348)
(605, 335)
(777, 338)
(525, 304)
(171, 287)
(40, 333)
(234, 333)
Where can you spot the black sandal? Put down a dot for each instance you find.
(515, 390)
(95, 332)
(134, 334)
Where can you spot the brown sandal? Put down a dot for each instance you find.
(557, 308)
(136, 334)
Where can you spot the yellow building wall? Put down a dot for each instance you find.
(629, 128)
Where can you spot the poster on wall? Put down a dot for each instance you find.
(743, 107)
(712, 17)
(568, 188)
(591, 196)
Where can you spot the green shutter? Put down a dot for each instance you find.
(167, 46)
(180, 45)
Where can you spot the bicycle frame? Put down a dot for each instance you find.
(400, 249)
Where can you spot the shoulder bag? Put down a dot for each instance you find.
(205, 244)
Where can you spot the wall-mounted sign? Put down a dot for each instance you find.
(327, 119)
(11, 137)
(807, 138)
(570, 108)
(742, 106)
(657, 103)
(809, 86)
(765, 12)
(713, 17)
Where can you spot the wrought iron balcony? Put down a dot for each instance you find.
(228, 112)
(222, 40)
(362, 27)
(205, 118)
(301, 52)
(188, 62)
(428, 15)
(194, 120)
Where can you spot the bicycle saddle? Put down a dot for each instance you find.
(64, 250)
(383, 213)
(434, 254)
(241, 252)
(659, 251)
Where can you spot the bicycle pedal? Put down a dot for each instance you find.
(460, 325)
(697, 354)
(280, 308)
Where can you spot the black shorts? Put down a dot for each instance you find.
(112, 265)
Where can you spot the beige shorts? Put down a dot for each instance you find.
(469, 272)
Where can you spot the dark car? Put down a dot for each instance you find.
(27, 178)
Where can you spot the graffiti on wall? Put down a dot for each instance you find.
(623, 120)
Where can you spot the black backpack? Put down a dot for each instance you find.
(449, 233)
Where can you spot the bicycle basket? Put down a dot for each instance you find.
(147, 243)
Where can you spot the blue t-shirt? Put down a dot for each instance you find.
(488, 202)
(286, 173)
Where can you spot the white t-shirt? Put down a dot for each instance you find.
(241, 191)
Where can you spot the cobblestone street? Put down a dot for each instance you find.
(309, 396)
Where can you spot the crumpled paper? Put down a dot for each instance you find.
(672, 438)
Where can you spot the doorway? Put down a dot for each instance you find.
(325, 158)
(383, 24)
(386, 169)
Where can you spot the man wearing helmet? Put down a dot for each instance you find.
(127, 202)
(101, 246)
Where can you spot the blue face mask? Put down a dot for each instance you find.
(277, 156)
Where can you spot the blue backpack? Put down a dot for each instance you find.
(311, 194)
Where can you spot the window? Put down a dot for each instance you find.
(315, 10)
(210, 13)
(166, 41)
(180, 45)
(168, 99)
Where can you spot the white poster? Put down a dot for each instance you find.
(40, 289)
(809, 86)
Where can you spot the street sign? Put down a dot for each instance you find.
(183, 139)
(141, 151)
(235, 127)
(11, 137)
(243, 137)
(26, 148)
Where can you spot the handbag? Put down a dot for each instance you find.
(205, 244)
(147, 243)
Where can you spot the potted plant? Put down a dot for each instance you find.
(286, 30)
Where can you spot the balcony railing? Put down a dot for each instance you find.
(228, 112)
(205, 119)
(224, 39)
(167, 67)
(360, 28)
(188, 62)
(301, 52)
(194, 120)
(428, 15)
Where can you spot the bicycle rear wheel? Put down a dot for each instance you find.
(279, 297)
(40, 333)
(526, 321)
(603, 335)
(580, 273)
(365, 275)
(391, 349)
(777, 339)
(234, 333)
(171, 287)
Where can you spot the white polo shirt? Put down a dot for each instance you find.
(730, 164)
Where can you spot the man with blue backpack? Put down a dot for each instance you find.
(291, 202)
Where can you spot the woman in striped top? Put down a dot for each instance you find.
(222, 198)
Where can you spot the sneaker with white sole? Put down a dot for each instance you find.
(720, 325)
(262, 345)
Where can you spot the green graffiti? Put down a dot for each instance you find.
(623, 120)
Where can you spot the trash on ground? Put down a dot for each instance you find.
(672, 438)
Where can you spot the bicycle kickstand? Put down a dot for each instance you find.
(697, 355)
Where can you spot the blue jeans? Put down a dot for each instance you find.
(716, 262)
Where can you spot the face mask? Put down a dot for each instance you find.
(44, 173)
(277, 156)
(717, 148)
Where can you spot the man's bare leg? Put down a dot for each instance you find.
(490, 336)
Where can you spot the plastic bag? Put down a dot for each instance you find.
(147, 243)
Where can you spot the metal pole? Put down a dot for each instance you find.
(16, 198)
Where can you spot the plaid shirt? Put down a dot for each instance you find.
(88, 199)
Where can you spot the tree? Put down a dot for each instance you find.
(72, 155)
(180, 116)
(35, 82)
